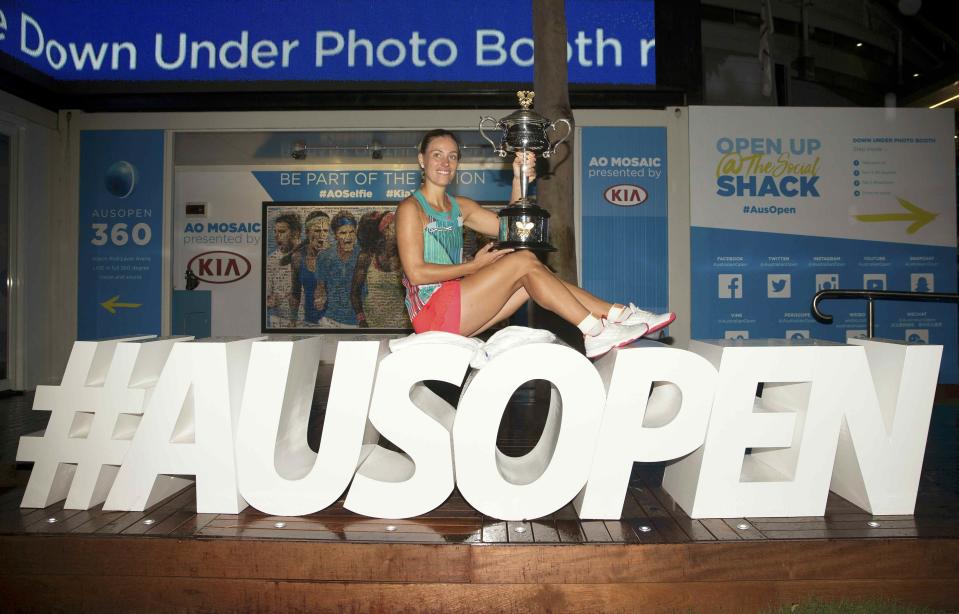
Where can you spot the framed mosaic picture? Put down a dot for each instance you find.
(331, 266)
(334, 266)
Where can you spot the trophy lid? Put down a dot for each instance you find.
(525, 115)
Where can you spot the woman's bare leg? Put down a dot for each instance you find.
(516, 301)
(484, 294)
(596, 305)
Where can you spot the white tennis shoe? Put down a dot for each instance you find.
(654, 321)
(612, 336)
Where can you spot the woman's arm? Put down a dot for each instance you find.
(486, 222)
(516, 192)
(477, 218)
(409, 238)
(356, 287)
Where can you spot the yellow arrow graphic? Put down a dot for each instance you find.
(112, 304)
(917, 215)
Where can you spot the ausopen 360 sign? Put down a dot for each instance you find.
(132, 416)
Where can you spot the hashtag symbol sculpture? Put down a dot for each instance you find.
(94, 414)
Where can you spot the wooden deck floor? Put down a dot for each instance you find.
(649, 518)
(655, 559)
(649, 514)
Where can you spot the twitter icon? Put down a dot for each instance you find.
(779, 285)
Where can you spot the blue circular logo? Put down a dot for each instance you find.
(120, 179)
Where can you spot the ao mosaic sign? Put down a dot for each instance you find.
(133, 416)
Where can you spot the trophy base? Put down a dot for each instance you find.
(524, 225)
(535, 247)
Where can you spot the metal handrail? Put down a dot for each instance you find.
(874, 295)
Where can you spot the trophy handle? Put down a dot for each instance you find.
(552, 126)
(496, 150)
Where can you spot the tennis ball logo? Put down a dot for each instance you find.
(120, 179)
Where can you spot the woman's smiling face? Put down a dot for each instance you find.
(440, 160)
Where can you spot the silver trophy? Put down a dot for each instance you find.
(524, 224)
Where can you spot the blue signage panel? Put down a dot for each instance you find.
(624, 226)
(119, 265)
(609, 41)
(394, 184)
(787, 202)
(757, 285)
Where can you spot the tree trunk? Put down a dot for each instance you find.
(551, 83)
(554, 188)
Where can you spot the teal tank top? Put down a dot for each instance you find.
(442, 244)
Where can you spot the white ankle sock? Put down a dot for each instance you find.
(616, 313)
(591, 325)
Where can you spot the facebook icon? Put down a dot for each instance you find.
(731, 286)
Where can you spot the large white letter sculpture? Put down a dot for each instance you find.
(643, 427)
(278, 473)
(548, 477)
(388, 484)
(188, 428)
(235, 413)
(792, 430)
(883, 438)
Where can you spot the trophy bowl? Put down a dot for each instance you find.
(524, 130)
(524, 224)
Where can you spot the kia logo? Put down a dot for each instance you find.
(625, 195)
(219, 267)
